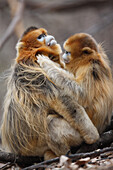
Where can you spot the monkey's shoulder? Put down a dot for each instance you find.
(31, 77)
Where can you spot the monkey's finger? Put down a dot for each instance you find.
(43, 57)
(39, 55)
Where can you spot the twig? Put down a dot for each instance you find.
(42, 163)
(74, 157)
(13, 23)
(90, 154)
(6, 166)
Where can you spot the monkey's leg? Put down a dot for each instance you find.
(77, 118)
(61, 136)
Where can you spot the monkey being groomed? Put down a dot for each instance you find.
(88, 69)
(40, 118)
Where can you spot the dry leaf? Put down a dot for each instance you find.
(64, 161)
(83, 161)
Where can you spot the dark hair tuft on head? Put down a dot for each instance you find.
(29, 29)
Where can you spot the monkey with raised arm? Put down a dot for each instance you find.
(39, 117)
(89, 66)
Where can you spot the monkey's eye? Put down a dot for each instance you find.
(41, 37)
(67, 52)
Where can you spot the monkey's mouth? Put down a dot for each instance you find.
(50, 40)
(54, 58)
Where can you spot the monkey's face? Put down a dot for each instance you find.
(79, 48)
(36, 41)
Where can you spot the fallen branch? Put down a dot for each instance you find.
(42, 163)
(13, 23)
(22, 161)
(74, 157)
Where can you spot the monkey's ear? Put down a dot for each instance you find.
(87, 50)
(20, 45)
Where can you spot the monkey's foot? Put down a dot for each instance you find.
(49, 155)
(91, 138)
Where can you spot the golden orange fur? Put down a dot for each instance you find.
(39, 117)
(92, 84)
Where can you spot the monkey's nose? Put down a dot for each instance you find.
(65, 58)
(50, 40)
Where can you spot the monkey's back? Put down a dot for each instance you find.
(24, 126)
(98, 85)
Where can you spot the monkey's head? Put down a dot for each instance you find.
(79, 50)
(36, 41)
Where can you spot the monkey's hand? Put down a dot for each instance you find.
(44, 62)
(49, 67)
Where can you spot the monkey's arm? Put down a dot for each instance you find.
(59, 76)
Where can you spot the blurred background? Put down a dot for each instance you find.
(61, 18)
